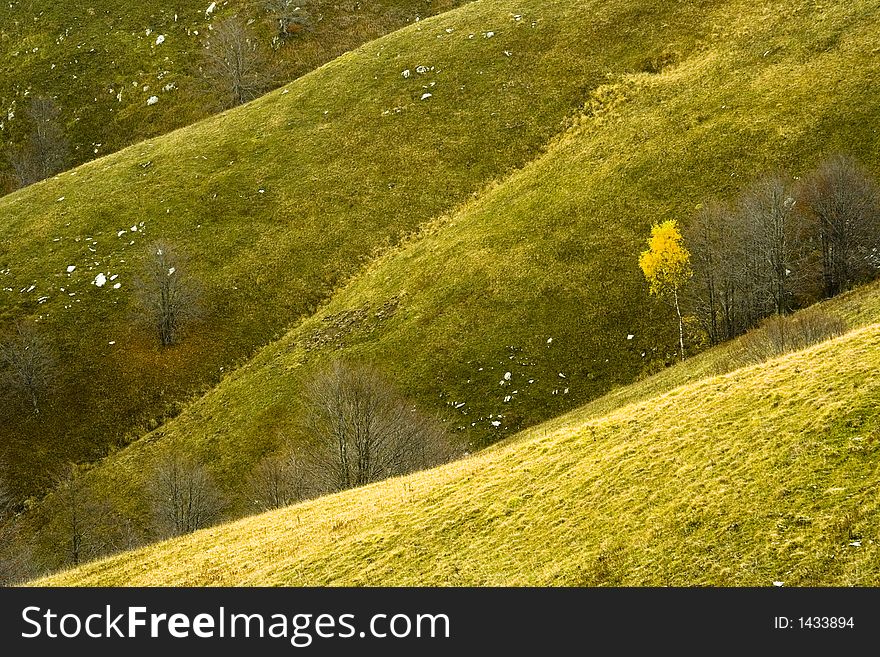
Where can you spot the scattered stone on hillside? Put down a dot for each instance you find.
(507, 376)
(71, 269)
(160, 39)
(100, 280)
(406, 73)
(630, 336)
(489, 35)
(152, 100)
(421, 70)
(426, 96)
(496, 423)
(210, 9)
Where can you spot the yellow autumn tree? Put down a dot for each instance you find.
(666, 266)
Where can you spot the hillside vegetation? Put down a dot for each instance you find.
(763, 475)
(102, 61)
(537, 275)
(278, 202)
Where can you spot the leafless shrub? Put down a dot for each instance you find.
(184, 496)
(234, 65)
(16, 555)
(73, 498)
(844, 203)
(279, 479)
(46, 150)
(168, 297)
(28, 362)
(84, 524)
(362, 431)
(778, 335)
(6, 497)
(290, 18)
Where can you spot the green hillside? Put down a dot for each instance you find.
(534, 275)
(277, 202)
(767, 474)
(101, 61)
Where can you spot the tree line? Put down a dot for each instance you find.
(782, 244)
(353, 428)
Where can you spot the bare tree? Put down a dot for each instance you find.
(184, 496)
(71, 493)
(6, 497)
(716, 257)
(167, 295)
(844, 202)
(28, 362)
(775, 251)
(363, 431)
(46, 150)
(289, 17)
(234, 64)
(86, 523)
(16, 557)
(279, 479)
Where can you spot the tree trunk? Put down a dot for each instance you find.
(680, 323)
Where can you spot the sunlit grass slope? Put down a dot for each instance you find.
(767, 474)
(537, 275)
(276, 203)
(102, 60)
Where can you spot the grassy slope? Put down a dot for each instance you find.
(551, 251)
(764, 474)
(349, 160)
(86, 53)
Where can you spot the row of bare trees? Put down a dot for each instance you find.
(784, 244)
(354, 429)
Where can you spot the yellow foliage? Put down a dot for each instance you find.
(666, 263)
